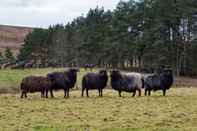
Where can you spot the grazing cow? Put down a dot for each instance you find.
(63, 80)
(158, 81)
(35, 84)
(128, 82)
(94, 81)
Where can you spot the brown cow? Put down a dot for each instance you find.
(35, 84)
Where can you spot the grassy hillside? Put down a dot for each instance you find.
(13, 37)
(175, 112)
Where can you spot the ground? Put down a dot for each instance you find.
(175, 112)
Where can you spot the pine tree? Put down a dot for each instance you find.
(2, 60)
(9, 56)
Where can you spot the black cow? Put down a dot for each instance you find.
(158, 81)
(129, 82)
(63, 80)
(94, 81)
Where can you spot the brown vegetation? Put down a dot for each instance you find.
(13, 37)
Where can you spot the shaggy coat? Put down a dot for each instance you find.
(63, 80)
(162, 81)
(128, 82)
(94, 81)
(35, 84)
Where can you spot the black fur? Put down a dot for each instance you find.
(129, 82)
(94, 81)
(35, 84)
(158, 81)
(63, 80)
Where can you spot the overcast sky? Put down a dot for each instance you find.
(42, 13)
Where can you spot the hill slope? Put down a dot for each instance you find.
(13, 37)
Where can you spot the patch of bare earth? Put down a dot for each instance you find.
(185, 82)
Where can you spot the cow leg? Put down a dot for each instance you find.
(87, 92)
(101, 92)
(68, 93)
(42, 94)
(22, 93)
(145, 93)
(139, 91)
(164, 92)
(82, 91)
(51, 92)
(149, 92)
(65, 93)
(119, 93)
(25, 94)
(134, 92)
(46, 93)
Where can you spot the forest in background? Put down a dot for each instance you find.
(141, 35)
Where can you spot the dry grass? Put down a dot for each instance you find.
(175, 112)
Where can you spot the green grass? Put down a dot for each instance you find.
(175, 112)
(10, 79)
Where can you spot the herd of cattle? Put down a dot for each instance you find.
(120, 81)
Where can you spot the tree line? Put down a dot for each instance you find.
(7, 57)
(141, 35)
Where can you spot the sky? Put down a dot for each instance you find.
(42, 13)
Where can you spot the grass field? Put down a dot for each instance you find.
(175, 112)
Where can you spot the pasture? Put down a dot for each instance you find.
(175, 112)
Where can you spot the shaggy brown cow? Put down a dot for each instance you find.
(35, 84)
